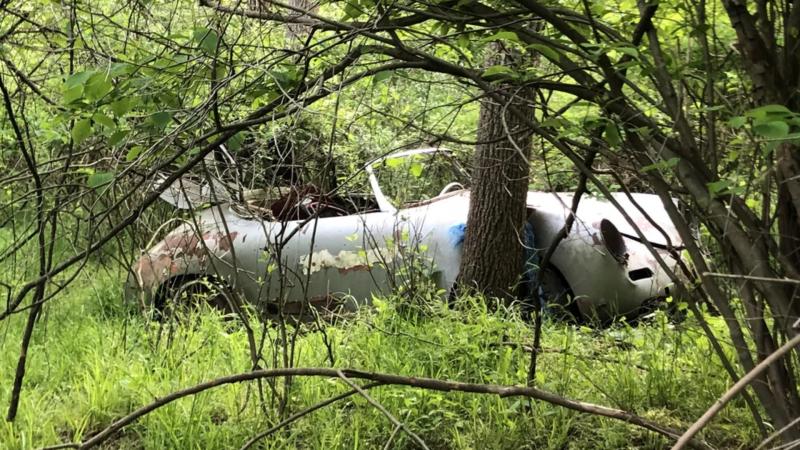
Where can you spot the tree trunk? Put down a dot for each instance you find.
(296, 33)
(788, 212)
(789, 227)
(493, 256)
(259, 5)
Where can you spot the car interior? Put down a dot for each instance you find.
(408, 181)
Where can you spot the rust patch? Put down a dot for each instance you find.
(225, 243)
(168, 257)
(182, 242)
(356, 268)
(151, 268)
(188, 243)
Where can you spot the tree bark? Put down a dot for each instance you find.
(297, 33)
(493, 253)
(788, 210)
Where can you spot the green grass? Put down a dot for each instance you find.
(92, 361)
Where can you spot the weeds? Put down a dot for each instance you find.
(93, 361)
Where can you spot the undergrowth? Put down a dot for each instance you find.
(92, 360)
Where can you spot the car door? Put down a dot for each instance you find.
(328, 261)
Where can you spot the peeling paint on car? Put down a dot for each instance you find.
(180, 252)
(345, 261)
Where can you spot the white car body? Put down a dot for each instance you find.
(345, 260)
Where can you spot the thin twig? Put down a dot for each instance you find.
(383, 411)
(389, 441)
(303, 413)
(737, 276)
(545, 261)
(734, 391)
(777, 433)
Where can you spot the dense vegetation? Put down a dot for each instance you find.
(94, 362)
(693, 101)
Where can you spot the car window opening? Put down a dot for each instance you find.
(301, 202)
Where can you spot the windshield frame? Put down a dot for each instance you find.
(384, 204)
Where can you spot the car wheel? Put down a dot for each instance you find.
(183, 294)
(557, 297)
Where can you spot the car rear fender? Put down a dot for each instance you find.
(182, 252)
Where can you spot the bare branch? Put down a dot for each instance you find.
(734, 391)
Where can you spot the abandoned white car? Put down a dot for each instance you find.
(298, 249)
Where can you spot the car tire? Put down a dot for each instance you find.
(186, 293)
(557, 296)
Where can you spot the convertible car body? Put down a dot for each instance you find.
(295, 249)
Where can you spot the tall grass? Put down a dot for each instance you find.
(93, 360)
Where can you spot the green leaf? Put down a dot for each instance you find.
(351, 10)
(463, 42)
(118, 69)
(630, 51)
(662, 165)
(98, 179)
(289, 76)
(207, 39)
(97, 86)
(160, 119)
(767, 110)
(394, 162)
(72, 94)
(81, 130)
(133, 153)
(770, 146)
(381, 76)
(713, 108)
(546, 51)
(78, 79)
(73, 88)
(122, 106)
(737, 122)
(718, 187)
(499, 72)
(555, 122)
(104, 120)
(776, 129)
(235, 141)
(416, 169)
(117, 137)
(612, 134)
(508, 36)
